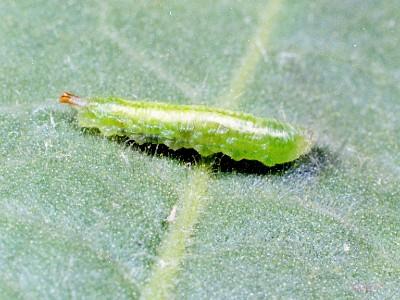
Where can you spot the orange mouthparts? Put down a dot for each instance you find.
(71, 99)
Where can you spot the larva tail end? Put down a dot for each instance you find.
(71, 99)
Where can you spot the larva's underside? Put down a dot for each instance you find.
(208, 130)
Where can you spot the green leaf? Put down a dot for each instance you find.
(83, 216)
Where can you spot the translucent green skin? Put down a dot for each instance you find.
(206, 129)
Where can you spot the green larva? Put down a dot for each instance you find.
(206, 129)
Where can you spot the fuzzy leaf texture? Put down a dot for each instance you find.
(84, 216)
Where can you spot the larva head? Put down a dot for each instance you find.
(71, 99)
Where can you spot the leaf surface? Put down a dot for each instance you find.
(83, 216)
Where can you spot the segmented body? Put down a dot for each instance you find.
(208, 130)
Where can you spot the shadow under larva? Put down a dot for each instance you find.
(310, 164)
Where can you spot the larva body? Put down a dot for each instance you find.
(208, 130)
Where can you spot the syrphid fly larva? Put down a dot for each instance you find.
(208, 130)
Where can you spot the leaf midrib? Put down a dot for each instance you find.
(173, 246)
